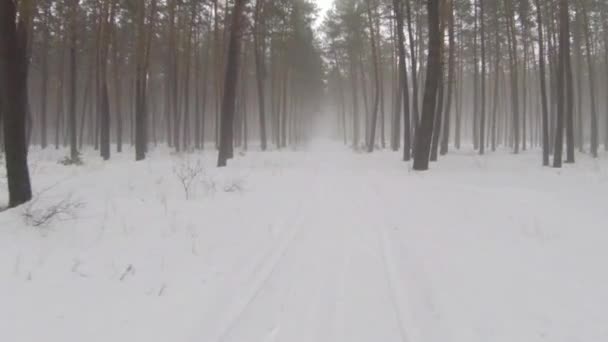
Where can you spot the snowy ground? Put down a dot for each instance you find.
(324, 245)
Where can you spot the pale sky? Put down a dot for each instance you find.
(324, 5)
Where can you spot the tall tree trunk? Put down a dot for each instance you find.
(451, 79)
(73, 79)
(543, 86)
(569, 111)
(415, 96)
(104, 103)
(429, 105)
(403, 81)
(260, 69)
(14, 98)
(230, 85)
(592, 104)
(44, 75)
(564, 40)
(482, 108)
(144, 38)
(512, 42)
(374, 118)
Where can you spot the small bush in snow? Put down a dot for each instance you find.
(234, 185)
(67, 161)
(187, 173)
(36, 214)
(209, 185)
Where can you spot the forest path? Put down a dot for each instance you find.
(334, 278)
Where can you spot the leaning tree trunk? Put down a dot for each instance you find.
(230, 85)
(14, 98)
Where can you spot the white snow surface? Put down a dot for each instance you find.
(317, 245)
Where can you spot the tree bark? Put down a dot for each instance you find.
(425, 131)
(230, 85)
(14, 99)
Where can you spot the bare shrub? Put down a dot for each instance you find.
(36, 214)
(234, 185)
(187, 173)
(67, 161)
(209, 185)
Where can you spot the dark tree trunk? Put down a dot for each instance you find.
(451, 81)
(414, 71)
(44, 76)
(104, 102)
(594, 123)
(512, 43)
(260, 69)
(569, 95)
(230, 85)
(374, 119)
(144, 37)
(403, 82)
(543, 86)
(482, 107)
(73, 79)
(564, 40)
(429, 104)
(14, 99)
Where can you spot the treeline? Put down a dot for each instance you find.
(511, 73)
(105, 73)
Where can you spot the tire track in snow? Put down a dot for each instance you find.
(415, 331)
(268, 264)
(385, 256)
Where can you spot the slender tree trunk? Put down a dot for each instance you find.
(482, 108)
(592, 104)
(403, 82)
(543, 87)
(73, 78)
(451, 80)
(104, 103)
(374, 118)
(512, 42)
(44, 76)
(564, 38)
(569, 111)
(415, 96)
(144, 38)
(260, 69)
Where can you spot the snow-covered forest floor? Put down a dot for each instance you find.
(317, 245)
